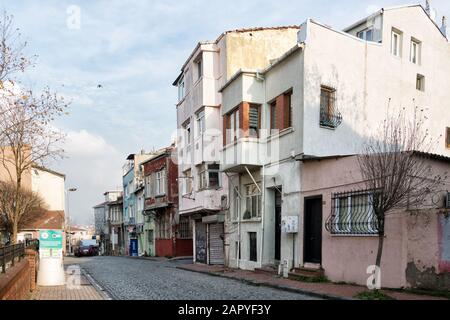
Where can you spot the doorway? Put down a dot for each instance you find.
(313, 230)
(277, 225)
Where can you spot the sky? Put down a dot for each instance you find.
(134, 49)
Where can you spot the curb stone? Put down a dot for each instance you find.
(270, 285)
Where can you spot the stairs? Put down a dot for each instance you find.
(307, 274)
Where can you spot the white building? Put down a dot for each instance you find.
(203, 189)
(325, 96)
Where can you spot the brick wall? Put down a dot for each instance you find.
(19, 280)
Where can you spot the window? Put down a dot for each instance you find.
(127, 192)
(253, 120)
(187, 182)
(233, 125)
(396, 43)
(184, 229)
(273, 115)
(187, 132)
(420, 82)
(353, 214)
(236, 205)
(287, 110)
(201, 122)
(366, 34)
(252, 202)
(447, 139)
(415, 51)
(253, 246)
(199, 68)
(209, 176)
(161, 182)
(329, 115)
(181, 89)
(148, 186)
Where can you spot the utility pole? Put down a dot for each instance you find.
(68, 218)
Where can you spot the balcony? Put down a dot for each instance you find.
(248, 153)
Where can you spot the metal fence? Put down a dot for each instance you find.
(15, 252)
(352, 214)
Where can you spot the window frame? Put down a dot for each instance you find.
(420, 82)
(258, 127)
(204, 177)
(348, 215)
(396, 50)
(201, 122)
(233, 125)
(418, 55)
(160, 183)
(181, 88)
(288, 110)
(250, 199)
(364, 33)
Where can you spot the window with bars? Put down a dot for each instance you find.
(184, 228)
(352, 214)
(330, 116)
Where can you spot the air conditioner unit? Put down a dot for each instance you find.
(447, 200)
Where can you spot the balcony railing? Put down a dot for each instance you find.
(9, 254)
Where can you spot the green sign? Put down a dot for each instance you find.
(50, 239)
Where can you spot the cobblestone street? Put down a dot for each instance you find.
(139, 279)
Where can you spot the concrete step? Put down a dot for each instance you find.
(268, 269)
(306, 273)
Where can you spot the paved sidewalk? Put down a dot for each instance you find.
(84, 291)
(322, 290)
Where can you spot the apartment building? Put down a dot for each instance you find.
(204, 190)
(169, 234)
(322, 98)
(133, 201)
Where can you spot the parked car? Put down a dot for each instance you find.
(86, 248)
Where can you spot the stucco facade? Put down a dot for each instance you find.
(364, 79)
(204, 192)
(416, 241)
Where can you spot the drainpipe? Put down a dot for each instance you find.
(263, 213)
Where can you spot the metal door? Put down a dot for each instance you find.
(216, 235)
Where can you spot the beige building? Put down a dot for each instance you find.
(203, 188)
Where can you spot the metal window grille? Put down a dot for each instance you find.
(329, 114)
(184, 228)
(352, 214)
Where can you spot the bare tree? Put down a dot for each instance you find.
(12, 56)
(26, 134)
(29, 205)
(393, 167)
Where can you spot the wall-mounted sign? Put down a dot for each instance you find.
(289, 224)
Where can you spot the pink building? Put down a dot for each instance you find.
(340, 233)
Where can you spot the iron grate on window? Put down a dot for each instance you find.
(352, 214)
(329, 114)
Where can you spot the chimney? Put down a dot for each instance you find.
(444, 26)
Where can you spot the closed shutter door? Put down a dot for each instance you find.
(216, 256)
(200, 242)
